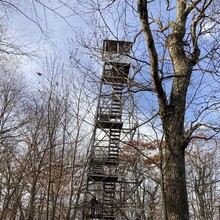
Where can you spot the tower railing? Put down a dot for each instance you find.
(105, 183)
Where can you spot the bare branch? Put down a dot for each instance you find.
(143, 12)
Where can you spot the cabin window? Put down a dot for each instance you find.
(111, 46)
(117, 46)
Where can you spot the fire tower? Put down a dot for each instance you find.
(113, 190)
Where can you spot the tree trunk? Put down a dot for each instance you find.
(31, 211)
(175, 185)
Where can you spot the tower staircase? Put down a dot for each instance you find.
(103, 178)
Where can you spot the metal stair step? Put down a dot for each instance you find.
(115, 111)
(116, 107)
(118, 132)
(116, 104)
(114, 137)
(113, 156)
(113, 145)
(115, 133)
(114, 148)
(109, 196)
(114, 140)
(109, 190)
(113, 152)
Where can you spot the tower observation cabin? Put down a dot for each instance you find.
(106, 187)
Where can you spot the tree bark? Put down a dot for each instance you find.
(175, 185)
(173, 116)
(172, 109)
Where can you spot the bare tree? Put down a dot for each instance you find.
(57, 127)
(175, 76)
(11, 98)
(179, 63)
(203, 181)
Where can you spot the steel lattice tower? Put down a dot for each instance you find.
(114, 192)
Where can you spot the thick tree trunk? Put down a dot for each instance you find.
(172, 109)
(173, 116)
(175, 185)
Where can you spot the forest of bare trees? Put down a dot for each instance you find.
(46, 124)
